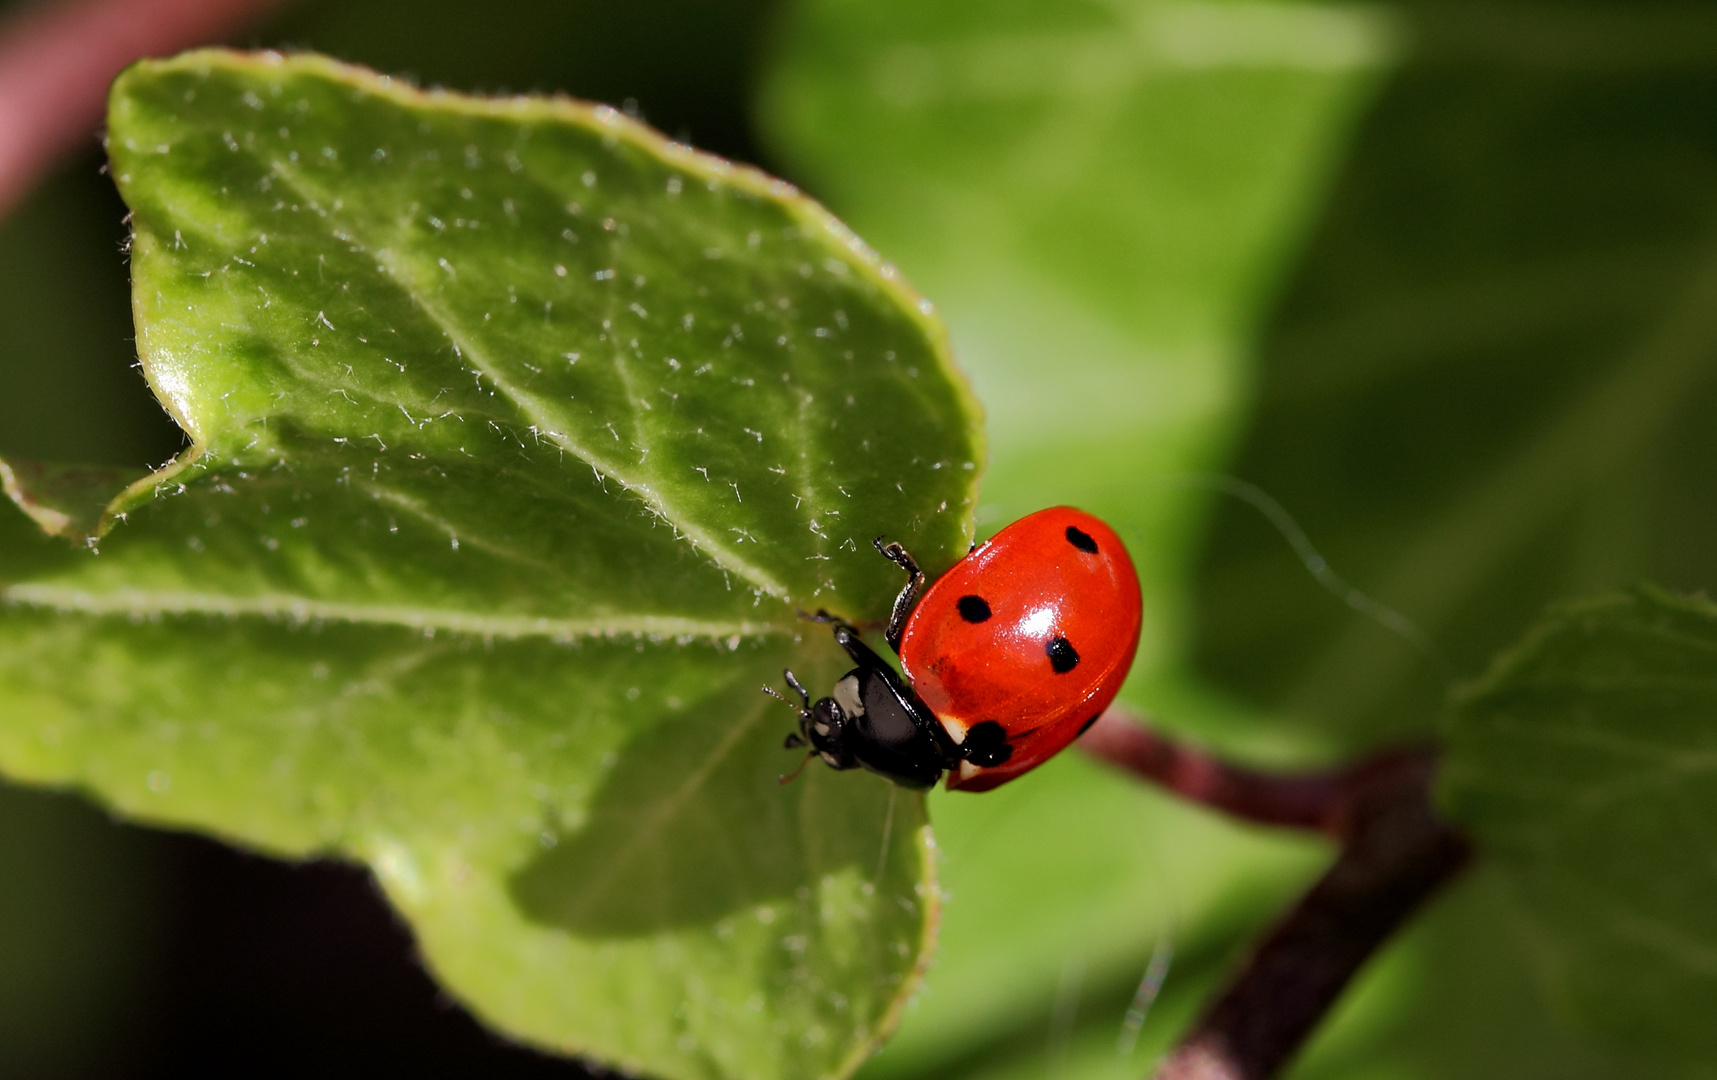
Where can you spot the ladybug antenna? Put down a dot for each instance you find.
(785, 700)
(788, 778)
(796, 739)
(804, 706)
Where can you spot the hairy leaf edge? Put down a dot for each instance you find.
(1557, 619)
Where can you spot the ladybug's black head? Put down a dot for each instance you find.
(822, 726)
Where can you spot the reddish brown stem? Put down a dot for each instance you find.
(1310, 800)
(57, 59)
(1396, 853)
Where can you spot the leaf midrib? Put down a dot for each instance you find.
(145, 603)
(541, 419)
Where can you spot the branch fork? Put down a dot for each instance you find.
(1395, 854)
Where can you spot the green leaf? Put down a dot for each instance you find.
(64, 500)
(1490, 381)
(1584, 764)
(520, 435)
(1101, 197)
(1454, 996)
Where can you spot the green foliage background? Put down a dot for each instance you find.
(1435, 276)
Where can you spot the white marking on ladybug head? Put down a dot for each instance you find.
(968, 770)
(846, 695)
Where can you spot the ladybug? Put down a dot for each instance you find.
(1008, 657)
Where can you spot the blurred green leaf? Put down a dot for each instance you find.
(1583, 764)
(1101, 197)
(80, 904)
(1490, 382)
(1455, 997)
(1486, 388)
(519, 435)
(64, 500)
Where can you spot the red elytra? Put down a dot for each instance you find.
(1008, 657)
(1034, 630)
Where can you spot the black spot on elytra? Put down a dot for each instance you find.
(1062, 656)
(986, 745)
(1081, 539)
(973, 608)
(1086, 726)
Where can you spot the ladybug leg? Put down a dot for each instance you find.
(909, 593)
(797, 686)
(798, 738)
(848, 638)
(788, 778)
(804, 697)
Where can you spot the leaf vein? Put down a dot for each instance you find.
(539, 415)
(147, 603)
